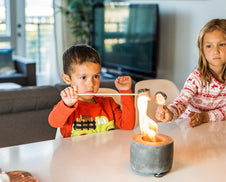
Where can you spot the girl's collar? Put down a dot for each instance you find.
(215, 79)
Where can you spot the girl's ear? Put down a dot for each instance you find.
(66, 78)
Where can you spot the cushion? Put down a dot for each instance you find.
(9, 85)
(7, 71)
(28, 99)
(6, 61)
(6, 58)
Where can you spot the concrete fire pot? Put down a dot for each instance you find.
(151, 158)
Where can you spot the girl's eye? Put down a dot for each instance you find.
(208, 46)
(223, 44)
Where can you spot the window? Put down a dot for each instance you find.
(39, 31)
(4, 24)
(27, 26)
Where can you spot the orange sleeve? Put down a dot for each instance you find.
(125, 118)
(60, 114)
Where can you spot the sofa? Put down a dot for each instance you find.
(24, 113)
(24, 72)
(16, 69)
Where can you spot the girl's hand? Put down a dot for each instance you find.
(197, 118)
(69, 96)
(163, 113)
(123, 83)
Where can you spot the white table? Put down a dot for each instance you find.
(199, 155)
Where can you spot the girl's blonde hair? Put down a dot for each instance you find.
(215, 24)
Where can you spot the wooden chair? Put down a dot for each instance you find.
(155, 85)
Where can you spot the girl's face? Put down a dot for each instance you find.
(86, 77)
(214, 47)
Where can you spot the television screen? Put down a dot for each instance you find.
(126, 37)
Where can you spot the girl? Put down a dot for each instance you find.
(203, 97)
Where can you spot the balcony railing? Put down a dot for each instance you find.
(39, 37)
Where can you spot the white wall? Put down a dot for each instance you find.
(180, 22)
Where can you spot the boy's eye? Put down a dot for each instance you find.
(83, 77)
(96, 76)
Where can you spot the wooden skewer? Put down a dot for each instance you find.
(107, 94)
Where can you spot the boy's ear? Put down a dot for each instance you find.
(66, 78)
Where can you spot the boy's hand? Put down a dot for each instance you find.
(163, 114)
(123, 82)
(69, 96)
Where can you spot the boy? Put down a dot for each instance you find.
(79, 115)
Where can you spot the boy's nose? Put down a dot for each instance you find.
(91, 82)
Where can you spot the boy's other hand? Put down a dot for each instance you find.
(69, 96)
(123, 83)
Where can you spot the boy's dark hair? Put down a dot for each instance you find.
(78, 54)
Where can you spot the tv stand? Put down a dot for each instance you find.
(108, 76)
(114, 73)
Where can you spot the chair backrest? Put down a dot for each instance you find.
(155, 85)
(116, 98)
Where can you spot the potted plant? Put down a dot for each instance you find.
(78, 16)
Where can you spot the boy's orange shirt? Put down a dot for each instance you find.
(103, 115)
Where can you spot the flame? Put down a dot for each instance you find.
(148, 127)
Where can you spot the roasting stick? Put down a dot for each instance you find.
(107, 94)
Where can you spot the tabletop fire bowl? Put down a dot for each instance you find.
(151, 158)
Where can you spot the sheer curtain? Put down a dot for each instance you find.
(60, 41)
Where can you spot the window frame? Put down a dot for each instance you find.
(14, 34)
(5, 36)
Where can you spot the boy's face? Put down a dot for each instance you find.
(86, 77)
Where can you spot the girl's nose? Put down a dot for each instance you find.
(216, 49)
